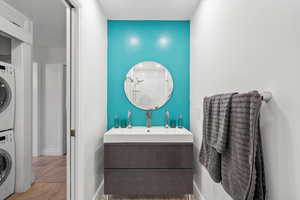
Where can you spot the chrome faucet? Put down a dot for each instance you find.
(148, 115)
(167, 117)
(129, 115)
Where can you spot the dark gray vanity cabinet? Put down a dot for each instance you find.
(148, 168)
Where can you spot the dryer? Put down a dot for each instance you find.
(7, 96)
(7, 164)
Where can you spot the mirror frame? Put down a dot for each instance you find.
(167, 99)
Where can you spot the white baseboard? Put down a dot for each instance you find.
(99, 192)
(197, 193)
(51, 152)
(34, 154)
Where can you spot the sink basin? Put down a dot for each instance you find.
(148, 135)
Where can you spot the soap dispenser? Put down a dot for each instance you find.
(129, 115)
(116, 121)
(180, 121)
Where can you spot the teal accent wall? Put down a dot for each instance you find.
(165, 42)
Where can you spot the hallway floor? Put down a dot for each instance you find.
(50, 180)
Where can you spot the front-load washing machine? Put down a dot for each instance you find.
(7, 164)
(7, 96)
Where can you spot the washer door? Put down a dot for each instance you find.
(5, 165)
(5, 95)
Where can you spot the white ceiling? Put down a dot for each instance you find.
(49, 15)
(149, 9)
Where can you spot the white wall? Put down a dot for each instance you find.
(53, 108)
(241, 45)
(92, 99)
(49, 55)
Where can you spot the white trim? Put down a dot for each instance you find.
(15, 24)
(68, 102)
(99, 192)
(36, 109)
(73, 11)
(11, 14)
(21, 59)
(15, 31)
(75, 81)
(197, 193)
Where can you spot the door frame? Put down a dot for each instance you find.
(72, 66)
(36, 109)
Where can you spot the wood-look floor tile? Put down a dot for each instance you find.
(50, 180)
(43, 191)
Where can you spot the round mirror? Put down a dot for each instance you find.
(148, 85)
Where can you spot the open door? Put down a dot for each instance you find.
(72, 17)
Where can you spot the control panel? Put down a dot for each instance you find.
(7, 69)
(7, 138)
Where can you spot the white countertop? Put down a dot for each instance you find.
(156, 134)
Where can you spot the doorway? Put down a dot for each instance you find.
(49, 113)
(53, 100)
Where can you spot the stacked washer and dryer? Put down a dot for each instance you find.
(7, 141)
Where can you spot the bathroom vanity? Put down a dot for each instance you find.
(153, 160)
(148, 161)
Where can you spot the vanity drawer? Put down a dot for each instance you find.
(148, 182)
(148, 156)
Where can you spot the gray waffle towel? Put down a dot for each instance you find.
(242, 166)
(217, 117)
(235, 159)
(216, 111)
